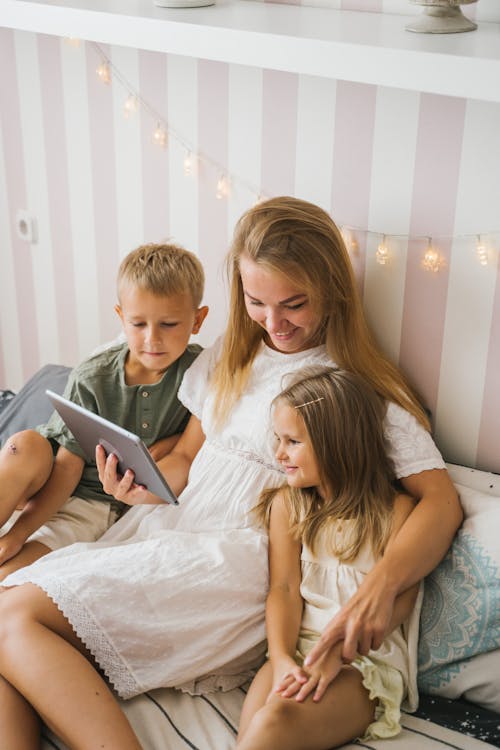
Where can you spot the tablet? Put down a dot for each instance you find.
(91, 430)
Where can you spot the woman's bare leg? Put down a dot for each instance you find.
(55, 675)
(342, 714)
(22, 731)
(26, 461)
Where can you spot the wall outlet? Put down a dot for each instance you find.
(26, 226)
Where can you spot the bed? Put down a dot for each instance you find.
(459, 655)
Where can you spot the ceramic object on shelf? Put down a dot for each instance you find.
(183, 3)
(441, 17)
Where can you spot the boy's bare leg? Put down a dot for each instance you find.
(55, 675)
(26, 461)
(30, 552)
(342, 714)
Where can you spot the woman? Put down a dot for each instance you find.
(176, 595)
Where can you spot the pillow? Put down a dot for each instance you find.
(459, 645)
(31, 407)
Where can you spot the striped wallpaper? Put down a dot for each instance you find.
(379, 159)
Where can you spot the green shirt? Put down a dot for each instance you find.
(151, 411)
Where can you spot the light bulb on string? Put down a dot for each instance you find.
(131, 105)
(188, 163)
(104, 72)
(160, 136)
(431, 261)
(73, 41)
(222, 190)
(382, 254)
(481, 252)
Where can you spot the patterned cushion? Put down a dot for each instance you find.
(460, 622)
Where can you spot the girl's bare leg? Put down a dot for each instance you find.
(26, 461)
(55, 675)
(255, 698)
(342, 714)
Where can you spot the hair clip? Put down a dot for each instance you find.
(314, 401)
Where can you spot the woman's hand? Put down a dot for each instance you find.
(361, 624)
(122, 488)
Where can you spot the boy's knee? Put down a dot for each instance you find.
(27, 444)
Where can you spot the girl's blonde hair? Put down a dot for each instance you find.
(300, 241)
(163, 269)
(344, 419)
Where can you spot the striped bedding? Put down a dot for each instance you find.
(171, 720)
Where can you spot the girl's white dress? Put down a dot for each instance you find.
(175, 596)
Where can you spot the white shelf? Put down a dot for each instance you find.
(365, 47)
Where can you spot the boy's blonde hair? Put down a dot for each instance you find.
(163, 269)
(300, 241)
(344, 419)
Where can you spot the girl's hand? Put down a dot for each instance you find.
(320, 675)
(289, 678)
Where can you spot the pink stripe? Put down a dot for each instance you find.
(352, 162)
(58, 185)
(488, 455)
(103, 168)
(279, 132)
(17, 198)
(437, 163)
(155, 160)
(213, 106)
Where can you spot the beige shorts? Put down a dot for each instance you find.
(77, 521)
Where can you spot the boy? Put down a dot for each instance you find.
(134, 384)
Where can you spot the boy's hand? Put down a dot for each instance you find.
(122, 488)
(10, 545)
(317, 678)
(163, 447)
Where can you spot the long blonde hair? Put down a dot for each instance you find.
(344, 420)
(300, 241)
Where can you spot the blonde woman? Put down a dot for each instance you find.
(335, 516)
(198, 573)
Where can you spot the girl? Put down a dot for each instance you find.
(198, 573)
(336, 515)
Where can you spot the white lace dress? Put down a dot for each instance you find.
(174, 596)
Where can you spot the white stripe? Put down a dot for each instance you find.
(315, 129)
(76, 113)
(9, 321)
(471, 289)
(394, 143)
(127, 136)
(182, 88)
(245, 140)
(37, 194)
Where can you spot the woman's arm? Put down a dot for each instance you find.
(175, 467)
(417, 548)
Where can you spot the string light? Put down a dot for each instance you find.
(481, 252)
(188, 164)
(432, 260)
(73, 41)
(222, 190)
(131, 105)
(104, 72)
(160, 135)
(382, 254)
(107, 72)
